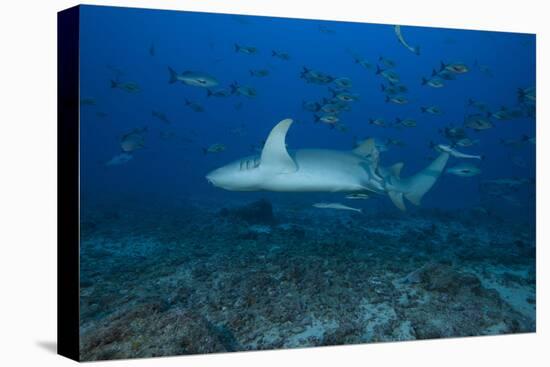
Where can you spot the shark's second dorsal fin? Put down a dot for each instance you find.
(275, 157)
(396, 169)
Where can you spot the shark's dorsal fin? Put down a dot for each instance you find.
(397, 198)
(396, 169)
(275, 157)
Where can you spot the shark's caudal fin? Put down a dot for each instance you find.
(414, 187)
(275, 157)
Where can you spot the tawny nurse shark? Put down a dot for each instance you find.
(323, 170)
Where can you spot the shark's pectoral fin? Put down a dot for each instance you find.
(275, 157)
(396, 169)
(397, 198)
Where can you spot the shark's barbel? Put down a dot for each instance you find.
(323, 170)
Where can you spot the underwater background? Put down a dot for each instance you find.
(171, 264)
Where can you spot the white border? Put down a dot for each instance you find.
(28, 181)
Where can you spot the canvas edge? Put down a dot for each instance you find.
(68, 238)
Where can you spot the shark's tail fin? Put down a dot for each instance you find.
(413, 188)
(417, 185)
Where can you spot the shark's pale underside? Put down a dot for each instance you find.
(323, 170)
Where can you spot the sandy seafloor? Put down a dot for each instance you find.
(200, 279)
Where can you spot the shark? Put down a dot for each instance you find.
(323, 170)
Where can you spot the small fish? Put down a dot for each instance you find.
(377, 122)
(214, 148)
(364, 63)
(386, 62)
(456, 67)
(443, 74)
(433, 82)
(194, 106)
(397, 99)
(280, 55)
(331, 108)
(455, 153)
(87, 102)
(390, 75)
(161, 116)
(327, 119)
(129, 87)
(337, 206)
(133, 140)
(393, 88)
(218, 92)
(477, 104)
(464, 170)
(119, 159)
(505, 114)
(358, 196)
(192, 78)
(515, 143)
(531, 140)
(344, 96)
(260, 73)
(453, 133)
(527, 95)
(477, 122)
(466, 142)
(415, 50)
(152, 49)
(311, 106)
(243, 90)
(405, 122)
(315, 77)
(342, 103)
(249, 50)
(343, 82)
(432, 110)
(512, 183)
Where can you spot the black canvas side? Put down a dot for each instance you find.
(68, 183)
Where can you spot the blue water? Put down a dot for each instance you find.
(166, 172)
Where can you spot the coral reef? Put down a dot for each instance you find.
(193, 280)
